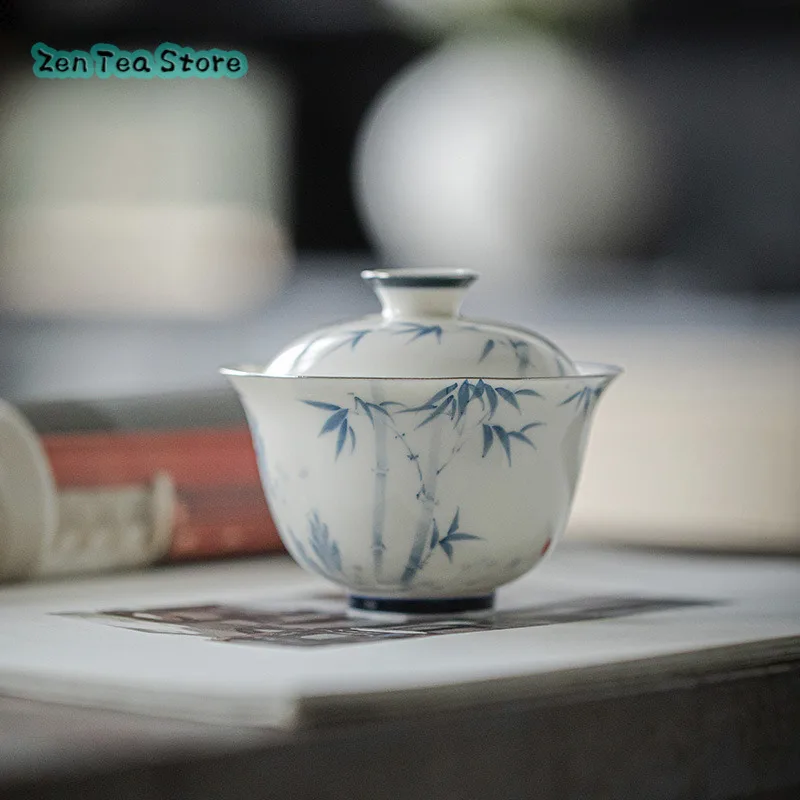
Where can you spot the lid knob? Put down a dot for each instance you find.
(410, 293)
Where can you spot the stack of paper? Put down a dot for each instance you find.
(259, 643)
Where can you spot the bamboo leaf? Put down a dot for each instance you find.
(334, 420)
(448, 548)
(464, 396)
(440, 410)
(453, 525)
(488, 438)
(426, 407)
(435, 535)
(365, 406)
(378, 409)
(529, 392)
(501, 434)
(508, 397)
(424, 330)
(487, 348)
(571, 398)
(352, 440)
(478, 392)
(521, 437)
(359, 335)
(336, 557)
(531, 425)
(326, 406)
(461, 537)
(491, 396)
(442, 393)
(340, 439)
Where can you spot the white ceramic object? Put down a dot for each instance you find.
(45, 532)
(111, 527)
(28, 496)
(500, 151)
(419, 334)
(407, 460)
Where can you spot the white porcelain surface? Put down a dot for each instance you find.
(421, 334)
(420, 488)
(417, 455)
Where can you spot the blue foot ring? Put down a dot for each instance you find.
(433, 605)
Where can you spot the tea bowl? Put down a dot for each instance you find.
(420, 494)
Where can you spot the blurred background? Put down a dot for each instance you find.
(625, 174)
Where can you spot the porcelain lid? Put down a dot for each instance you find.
(420, 334)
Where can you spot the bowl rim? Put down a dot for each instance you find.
(587, 370)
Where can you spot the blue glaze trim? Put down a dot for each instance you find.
(434, 605)
(447, 279)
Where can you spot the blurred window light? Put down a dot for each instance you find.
(134, 198)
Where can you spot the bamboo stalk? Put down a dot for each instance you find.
(430, 477)
(379, 484)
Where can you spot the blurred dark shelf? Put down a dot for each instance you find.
(715, 17)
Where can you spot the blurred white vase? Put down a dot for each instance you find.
(446, 14)
(499, 152)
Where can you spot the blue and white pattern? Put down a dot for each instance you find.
(419, 558)
(451, 403)
(420, 488)
(398, 482)
(478, 349)
(584, 399)
(324, 557)
(417, 331)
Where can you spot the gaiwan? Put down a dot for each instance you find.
(418, 458)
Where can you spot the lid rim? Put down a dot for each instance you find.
(410, 278)
(587, 370)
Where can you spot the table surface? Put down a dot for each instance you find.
(728, 730)
(724, 723)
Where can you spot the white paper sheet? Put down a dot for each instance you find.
(46, 654)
